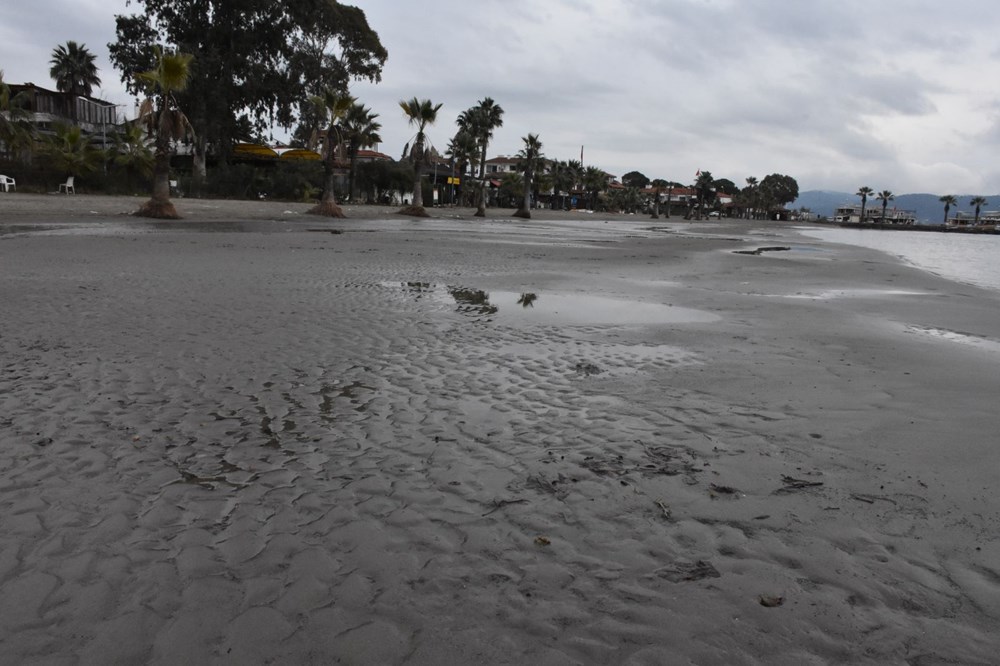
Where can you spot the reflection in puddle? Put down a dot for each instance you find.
(761, 250)
(472, 301)
(587, 309)
(527, 300)
(570, 309)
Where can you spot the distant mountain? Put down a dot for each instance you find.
(927, 206)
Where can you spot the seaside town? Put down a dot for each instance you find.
(65, 140)
(573, 333)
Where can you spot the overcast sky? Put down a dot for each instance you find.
(894, 94)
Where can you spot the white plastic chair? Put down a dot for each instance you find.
(67, 187)
(7, 183)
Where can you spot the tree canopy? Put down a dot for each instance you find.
(74, 69)
(778, 190)
(635, 179)
(257, 62)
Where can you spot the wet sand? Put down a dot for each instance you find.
(244, 439)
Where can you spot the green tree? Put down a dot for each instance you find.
(658, 185)
(16, 130)
(635, 179)
(165, 122)
(361, 130)
(337, 107)
(259, 62)
(750, 196)
(978, 202)
(885, 196)
(704, 186)
(777, 190)
(130, 152)
(420, 113)
(530, 157)
(726, 186)
(74, 70)
(594, 181)
(574, 171)
(483, 119)
(69, 151)
(948, 200)
(864, 192)
(463, 152)
(511, 188)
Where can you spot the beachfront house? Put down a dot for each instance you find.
(851, 214)
(46, 108)
(987, 219)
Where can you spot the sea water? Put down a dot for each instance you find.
(969, 258)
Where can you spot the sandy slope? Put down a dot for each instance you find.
(237, 440)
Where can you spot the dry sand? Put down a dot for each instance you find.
(244, 439)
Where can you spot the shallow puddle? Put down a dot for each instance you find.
(551, 309)
(587, 309)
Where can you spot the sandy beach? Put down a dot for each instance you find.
(255, 436)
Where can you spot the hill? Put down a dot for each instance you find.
(927, 206)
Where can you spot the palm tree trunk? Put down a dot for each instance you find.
(351, 176)
(481, 200)
(327, 205)
(159, 205)
(525, 209)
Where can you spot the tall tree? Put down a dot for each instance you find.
(486, 117)
(704, 185)
(420, 113)
(361, 130)
(659, 185)
(635, 179)
(337, 107)
(259, 62)
(885, 196)
(165, 122)
(594, 181)
(463, 151)
(751, 194)
(978, 202)
(776, 191)
(74, 70)
(864, 192)
(530, 156)
(948, 200)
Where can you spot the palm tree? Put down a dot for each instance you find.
(463, 150)
(486, 117)
(885, 196)
(69, 151)
(130, 152)
(751, 193)
(978, 202)
(361, 129)
(594, 181)
(864, 193)
(705, 187)
(948, 200)
(336, 105)
(530, 155)
(165, 122)
(421, 113)
(511, 188)
(74, 72)
(16, 131)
